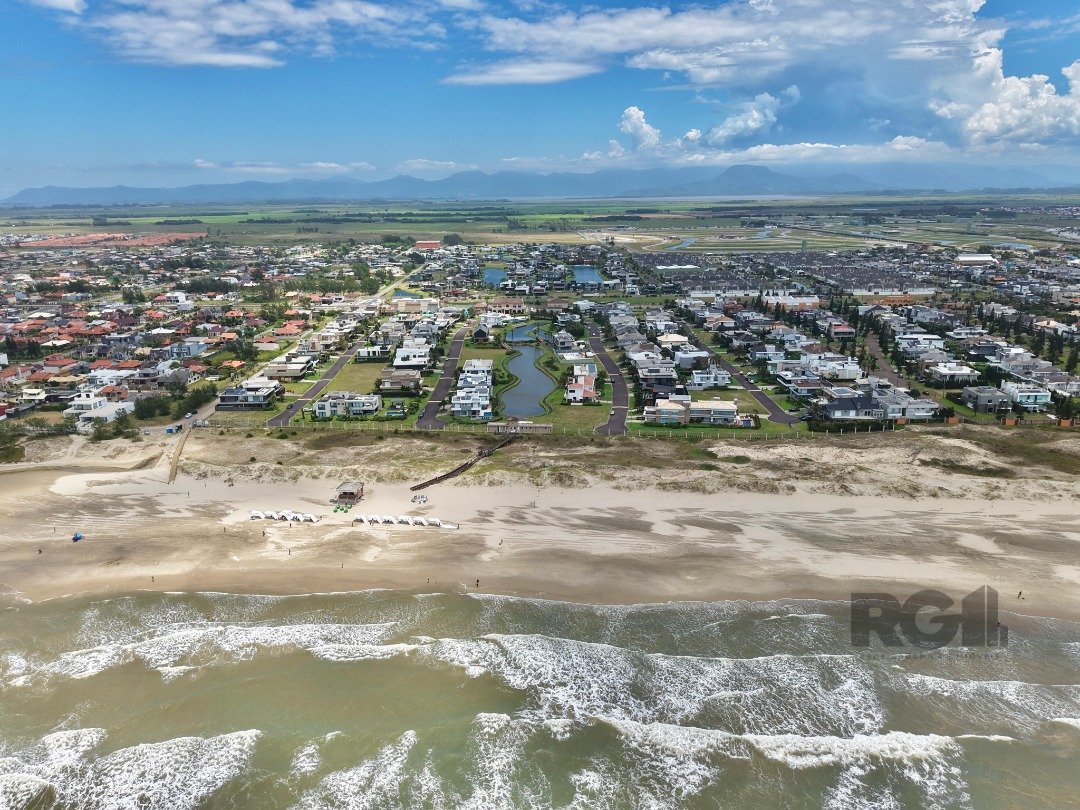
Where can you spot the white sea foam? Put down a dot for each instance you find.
(575, 679)
(361, 652)
(685, 760)
(204, 643)
(496, 776)
(375, 782)
(1012, 702)
(1068, 721)
(308, 757)
(178, 773)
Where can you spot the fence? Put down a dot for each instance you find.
(396, 428)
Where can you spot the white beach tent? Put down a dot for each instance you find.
(257, 515)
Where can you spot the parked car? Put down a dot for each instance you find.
(189, 414)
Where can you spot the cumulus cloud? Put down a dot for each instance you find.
(634, 124)
(994, 107)
(755, 117)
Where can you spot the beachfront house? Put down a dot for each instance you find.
(703, 412)
(346, 404)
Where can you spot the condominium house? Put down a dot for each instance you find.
(86, 400)
(400, 381)
(897, 404)
(563, 341)
(860, 406)
(951, 374)
(689, 357)
(346, 403)
(290, 367)
(702, 412)
(581, 386)
(475, 386)
(711, 377)
(1028, 396)
(415, 353)
(801, 385)
(256, 393)
(109, 412)
(985, 399)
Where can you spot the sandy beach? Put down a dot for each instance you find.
(778, 520)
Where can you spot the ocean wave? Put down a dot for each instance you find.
(375, 782)
(985, 703)
(202, 644)
(179, 773)
(870, 769)
(573, 679)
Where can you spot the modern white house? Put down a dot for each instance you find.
(109, 412)
(712, 377)
(1028, 396)
(346, 403)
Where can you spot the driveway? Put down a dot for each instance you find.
(283, 419)
(430, 417)
(620, 396)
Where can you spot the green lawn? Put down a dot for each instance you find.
(744, 399)
(363, 378)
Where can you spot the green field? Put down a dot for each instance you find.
(721, 226)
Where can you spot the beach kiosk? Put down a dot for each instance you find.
(349, 494)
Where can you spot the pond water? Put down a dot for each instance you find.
(685, 243)
(405, 294)
(586, 274)
(494, 276)
(525, 397)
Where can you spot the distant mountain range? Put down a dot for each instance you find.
(735, 181)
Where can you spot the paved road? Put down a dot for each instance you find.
(430, 417)
(776, 413)
(283, 419)
(884, 364)
(620, 396)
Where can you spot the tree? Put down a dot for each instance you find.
(452, 239)
(1038, 343)
(1073, 360)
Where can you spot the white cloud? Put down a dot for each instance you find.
(994, 108)
(313, 168)
(72, 6)
(756, 116)
(740, 42)
(634, 124)
(426, 165)
(248, 33)
(523, 71)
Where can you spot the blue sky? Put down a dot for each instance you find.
(169, 92)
